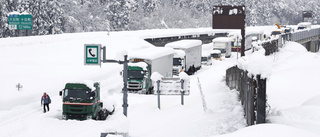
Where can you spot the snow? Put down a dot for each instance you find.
(314, 101)
(46, 63)
(184, 44)
(222, 39)
(14, 13)
(142, 65)
(151, 53)
(206, 49)
(216, 51)
(179, 53)
(304, 24)
(270, 130)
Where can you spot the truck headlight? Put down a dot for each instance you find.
(64, 117)
(89, 117)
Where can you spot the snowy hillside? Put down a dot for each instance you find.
(45, 63)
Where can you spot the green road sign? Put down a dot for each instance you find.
(92, 54)
(20, 21)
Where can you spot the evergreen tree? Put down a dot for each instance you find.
(118, 14)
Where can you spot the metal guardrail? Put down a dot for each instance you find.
(306, 35)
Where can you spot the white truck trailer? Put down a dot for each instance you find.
(223, 44)
(206, 54)
(144, 62)
(190, 61)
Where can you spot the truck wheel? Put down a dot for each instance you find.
(104, 114)
(150, 90)
(98, 116)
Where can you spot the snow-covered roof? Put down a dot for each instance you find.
(142, 65)
(88, 83)
(151, 53)
(205, 53)
(222, 39)
(208, 46)
(216, 51)
(184, 44)
(179, 53)
(304, 23)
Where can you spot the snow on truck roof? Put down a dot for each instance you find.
(142, 65)
(150, 53)
(183, 44)
(179, 53)
(222, 39)
(88, 83)
(304, 23)
(216, 52)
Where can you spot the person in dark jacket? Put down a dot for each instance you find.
(45, 101)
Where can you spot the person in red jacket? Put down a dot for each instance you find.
(45, 101)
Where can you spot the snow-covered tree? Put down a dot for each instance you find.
(118, 13)
(150, 6)
(47, 16)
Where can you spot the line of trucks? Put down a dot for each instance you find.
(168, 61)
(82, 100)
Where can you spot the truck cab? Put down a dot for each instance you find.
(81, 101)
(187, 56)
(178, 62)
(139, 77)
(144, 62)
(206, 57)
(223, 44)
(216, 54)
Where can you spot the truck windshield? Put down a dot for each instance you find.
(177, 61)
(77, 94)
(275, 33)
(215, 55)
(204, 59)
(135, 74)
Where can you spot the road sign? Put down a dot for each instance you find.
(92, 54)
(20, 21)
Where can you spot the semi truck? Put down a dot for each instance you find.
(81, 101)
(187, 56)
(144, 62)
(223, 44)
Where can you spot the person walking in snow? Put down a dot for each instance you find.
(45, 101)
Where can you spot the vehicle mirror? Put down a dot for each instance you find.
(60, 93)
(146, 73)
(120, 73)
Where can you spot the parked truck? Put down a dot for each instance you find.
(206, 54)
(144, 62)
(216, 54)
(81, 101)
(187, 56)
(223, 44)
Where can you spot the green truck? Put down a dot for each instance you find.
(82, 101)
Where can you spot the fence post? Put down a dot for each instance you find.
(158, 91)
(182, 91)
(261, 100)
